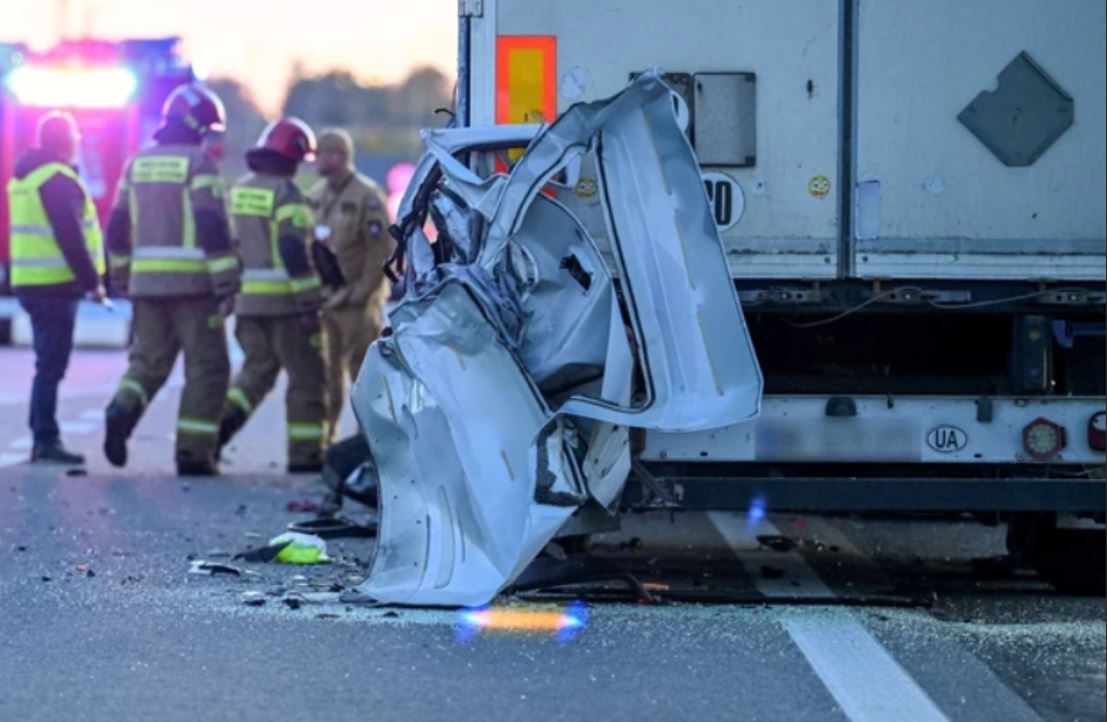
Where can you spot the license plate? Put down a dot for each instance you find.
(838, 440)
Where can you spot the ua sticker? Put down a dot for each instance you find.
(946, 439)
(818, 186)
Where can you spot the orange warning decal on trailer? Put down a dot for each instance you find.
(526, 79)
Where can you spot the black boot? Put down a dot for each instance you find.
(233, 420)
(197, 467)
(193, 464)
(55, 453)
(119, 424)
(305, 467)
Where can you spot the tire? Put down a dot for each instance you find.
(1071, 560)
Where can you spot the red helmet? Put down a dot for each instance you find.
(289, 137)
(196, 107)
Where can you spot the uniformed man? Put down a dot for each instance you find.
(56, 258)
(278, 305)
(350, 217)
(170, 248)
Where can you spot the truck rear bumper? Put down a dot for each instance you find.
(939, 430)
(759, 496)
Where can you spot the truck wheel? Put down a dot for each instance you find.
(1071, 560)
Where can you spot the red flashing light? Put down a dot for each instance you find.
(66, 86)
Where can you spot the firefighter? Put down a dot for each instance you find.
(350, 218)
(278, 306)
(56, 258)
(170, 249)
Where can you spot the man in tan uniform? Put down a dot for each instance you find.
(278, 306)
(351, 218)
(171, 252)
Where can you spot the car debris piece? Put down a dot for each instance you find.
(253, 599)
(202, 567)
(503, 397)
(334, 527)
(300, 549)
(289, 548)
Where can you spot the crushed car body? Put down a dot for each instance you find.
(537, 326)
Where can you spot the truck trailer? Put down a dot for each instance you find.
(911, 202)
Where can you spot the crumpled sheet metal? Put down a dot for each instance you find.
(452, 420)
(502, 399)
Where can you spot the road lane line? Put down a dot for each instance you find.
(858, 671)
(23, 443)
(864, 679)
(77, 427)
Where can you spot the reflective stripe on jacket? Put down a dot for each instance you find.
(36, 257)
(271, 222)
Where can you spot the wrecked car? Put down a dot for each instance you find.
(563, 285)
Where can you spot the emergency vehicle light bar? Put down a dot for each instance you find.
(72, 87)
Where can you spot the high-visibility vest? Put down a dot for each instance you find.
(36, 257)
(260, 206)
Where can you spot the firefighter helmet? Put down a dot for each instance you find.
(196, 107)
(290, 138)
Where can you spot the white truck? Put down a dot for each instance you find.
(911, 200)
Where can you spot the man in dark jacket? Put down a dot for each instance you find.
(57, 257)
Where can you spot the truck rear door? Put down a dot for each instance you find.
(877, 139)
(760, 78)
(980, 140)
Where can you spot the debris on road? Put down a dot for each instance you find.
(289, 548)
(334, 527)
(776, 542)
(307, 506)
(253, 599)
(203, 567)
(770, 572)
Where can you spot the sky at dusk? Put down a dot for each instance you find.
(258, 41)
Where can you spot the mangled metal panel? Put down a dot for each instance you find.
(454, 425)
(504, 394)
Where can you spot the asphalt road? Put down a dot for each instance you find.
(847, 619)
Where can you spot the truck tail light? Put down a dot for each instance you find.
(1043, 438)
(1097, 431)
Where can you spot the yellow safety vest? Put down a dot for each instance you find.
(36, 257)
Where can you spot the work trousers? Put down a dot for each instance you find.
(52, 323)
(349, 331)
(294, 343)
(161, 329)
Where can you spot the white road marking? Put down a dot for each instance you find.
(9, 459)
(23, 443)
(77, 427)
(64, 394)
(866, 682)
(864, 679)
